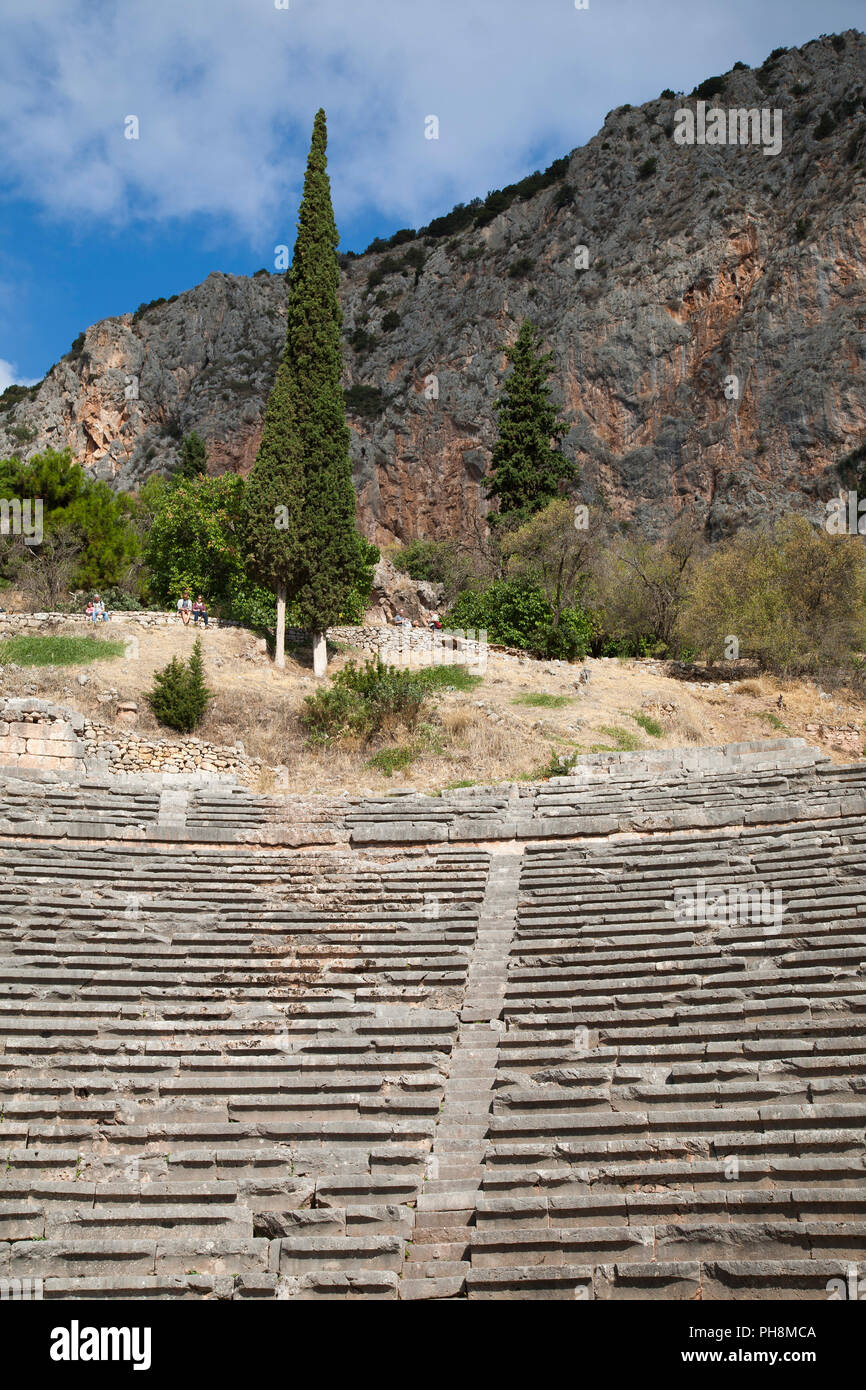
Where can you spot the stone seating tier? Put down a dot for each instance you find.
(375, 1049)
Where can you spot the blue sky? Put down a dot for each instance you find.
(92, 223)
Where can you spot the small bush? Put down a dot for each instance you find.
(521, 267)
(710, 87)
(774, 721)
(180, 697)
(389, 760)
(649, 725)
(667, 95)
(825, 126)
(648, 168)
(366, 401)
(421, 559)
(390, 321)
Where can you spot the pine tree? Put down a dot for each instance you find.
(180, 696)
(303, 463)
(527, 465)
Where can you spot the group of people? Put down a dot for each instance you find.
(187, 609)
(433, 622)
(96, 611)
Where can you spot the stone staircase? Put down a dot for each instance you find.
(465, 1046)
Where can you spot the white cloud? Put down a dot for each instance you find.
(9, 376)
(225, 92)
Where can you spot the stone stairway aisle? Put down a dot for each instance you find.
(437, 1261)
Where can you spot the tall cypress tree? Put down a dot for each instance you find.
(303, 463)
(527, 465)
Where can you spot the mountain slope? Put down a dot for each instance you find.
(704, 262)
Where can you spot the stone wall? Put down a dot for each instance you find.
(399, 646)
(143, 618)
(416, 646)
(127, 751)
(37, 734)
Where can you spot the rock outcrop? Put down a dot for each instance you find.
(704, 263)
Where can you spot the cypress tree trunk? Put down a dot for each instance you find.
(280, 639)
(320, 654)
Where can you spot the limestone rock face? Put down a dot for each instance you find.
(705, 263)
(395, 592)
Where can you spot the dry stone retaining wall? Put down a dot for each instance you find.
(397, 645)
(130, 752)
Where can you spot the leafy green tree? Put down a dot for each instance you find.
(180, 695)
(794, 597)
(527, 466)
(549, 550)
(301, 486)
(643, 587)
(195, 541)
(192, 456)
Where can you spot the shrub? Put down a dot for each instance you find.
(649, 725)
(15, 393)
(366, 401)
(648, 167)
(389, 760)
(522, 266)
(422, 559)
(795, 598)
(516, 613)
(363, 700)
(825, 126)
(667, 95)
(118, 600)
(710, 87)
(390, 321)
(180, 697)
(362, 341)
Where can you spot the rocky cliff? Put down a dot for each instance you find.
(703, 264)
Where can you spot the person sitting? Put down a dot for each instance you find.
(199, 610)
(99, 613)
(184, 607)
(434, 622)
(88, 612)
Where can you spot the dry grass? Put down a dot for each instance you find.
(762, 687)
(258, 706)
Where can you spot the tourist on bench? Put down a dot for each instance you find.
(184, 607)
(199, 610)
